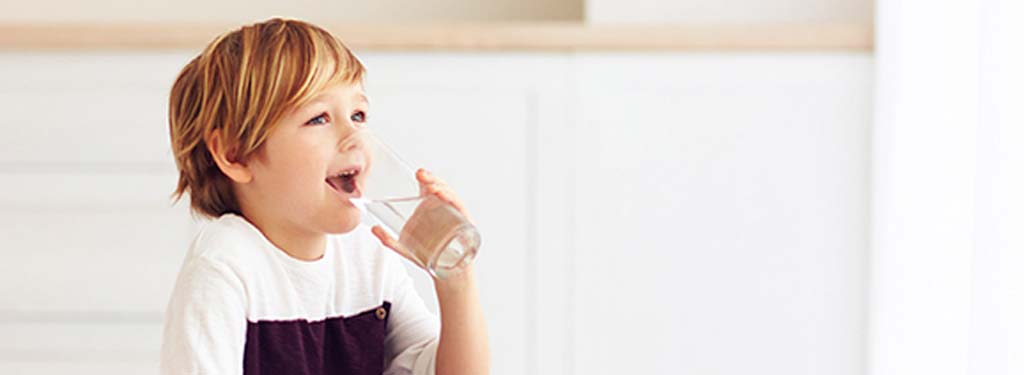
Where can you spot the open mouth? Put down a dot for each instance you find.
(344, 181)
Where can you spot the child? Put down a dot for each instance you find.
(285, 280)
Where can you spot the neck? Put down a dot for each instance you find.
(294, 240)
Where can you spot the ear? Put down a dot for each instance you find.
(225, 159)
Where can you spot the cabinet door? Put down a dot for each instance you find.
(89, 239)
(720, 221)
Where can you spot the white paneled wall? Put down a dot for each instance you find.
(326, 11)
(726, 12)
(641, 213)
(89, 241)
(720, 215)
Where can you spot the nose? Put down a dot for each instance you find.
(351, 137)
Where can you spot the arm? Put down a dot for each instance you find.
(463, 346)
(463, 349)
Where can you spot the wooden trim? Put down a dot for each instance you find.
(500, 36)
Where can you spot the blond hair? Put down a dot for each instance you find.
(241, 85)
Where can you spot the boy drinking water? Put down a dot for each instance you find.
(285, 279)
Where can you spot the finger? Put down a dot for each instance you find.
(434, 189)
(384, 237)
(431, 186)
(449, 197)
(445, 194)
(425, 177)
(425, 180)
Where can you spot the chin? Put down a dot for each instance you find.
(344, 223)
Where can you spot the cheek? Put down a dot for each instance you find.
(306, 175)
(299, 162)
(302, 160)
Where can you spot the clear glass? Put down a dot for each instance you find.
(430, 231)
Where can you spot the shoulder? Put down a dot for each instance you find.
(221, 255)
(226, 240)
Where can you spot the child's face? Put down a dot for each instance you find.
(290, 174)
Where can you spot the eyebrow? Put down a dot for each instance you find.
(320, 99)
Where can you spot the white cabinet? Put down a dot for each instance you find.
(720, 214)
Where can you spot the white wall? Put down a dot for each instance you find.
(327, 11)
(659, 213)
(330, 11)
(720, 205)
(947, 292)
(729, 11)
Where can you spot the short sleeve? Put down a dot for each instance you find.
(413, 331)
(205, 323)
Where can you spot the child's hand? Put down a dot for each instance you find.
(429, 185)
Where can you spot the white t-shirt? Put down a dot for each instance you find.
(241, 305)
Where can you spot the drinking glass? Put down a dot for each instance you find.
(430, 232)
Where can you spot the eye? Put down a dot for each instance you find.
(359, 117)
(318, 120)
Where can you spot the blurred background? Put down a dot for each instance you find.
(663, 187)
